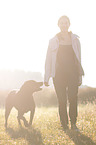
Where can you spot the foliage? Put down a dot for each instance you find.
(47, 97)
(87, 94)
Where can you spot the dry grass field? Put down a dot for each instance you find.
(46, 128)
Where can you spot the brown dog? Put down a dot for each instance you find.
(22, 101)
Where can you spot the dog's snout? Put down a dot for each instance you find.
(41, 83)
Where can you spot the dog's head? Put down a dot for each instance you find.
(31, 86)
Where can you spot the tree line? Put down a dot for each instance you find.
(47, 97)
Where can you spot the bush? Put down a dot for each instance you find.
(86, 95)
(47, 97)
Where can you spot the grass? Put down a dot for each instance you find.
(46, 128)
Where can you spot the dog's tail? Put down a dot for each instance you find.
(9, 105)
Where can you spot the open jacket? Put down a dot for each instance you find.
(50, 63)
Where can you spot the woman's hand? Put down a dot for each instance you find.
(46, 84)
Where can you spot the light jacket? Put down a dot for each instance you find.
(50, 63)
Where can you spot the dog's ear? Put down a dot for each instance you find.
(23, 88)
(30, 85)
(26, 86)
(40, 83)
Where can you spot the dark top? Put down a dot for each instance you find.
(65, 62)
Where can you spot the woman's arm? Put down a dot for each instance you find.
(48, 65)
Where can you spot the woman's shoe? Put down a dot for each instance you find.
(74, 127)
(65, 127)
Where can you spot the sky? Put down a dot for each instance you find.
(26, 26)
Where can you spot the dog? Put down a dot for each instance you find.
(23, 101)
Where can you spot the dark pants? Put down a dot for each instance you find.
(66, 87)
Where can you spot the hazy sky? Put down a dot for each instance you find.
(27, 25)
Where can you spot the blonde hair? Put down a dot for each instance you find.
(63, 17)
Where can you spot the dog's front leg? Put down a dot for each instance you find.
(31, 116)
(18, 118)
(24, 120)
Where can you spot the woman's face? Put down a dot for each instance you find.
(64, 24)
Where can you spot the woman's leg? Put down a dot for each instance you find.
(62, 101)
(72, 96)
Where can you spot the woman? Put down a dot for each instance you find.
(63, 64)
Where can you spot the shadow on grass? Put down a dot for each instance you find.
(32, 136)
(79, 138)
